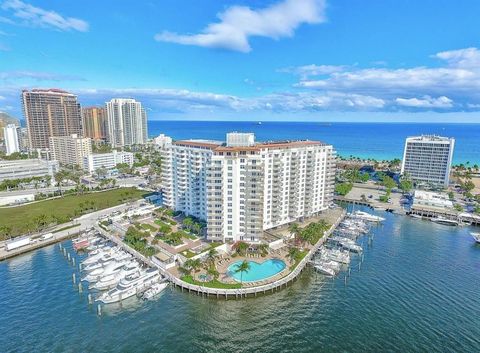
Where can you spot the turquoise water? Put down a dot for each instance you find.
(367, 140)
(418, 290)
(258, 270)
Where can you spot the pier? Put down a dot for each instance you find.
(448, 214)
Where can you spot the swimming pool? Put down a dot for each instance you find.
(258, 271)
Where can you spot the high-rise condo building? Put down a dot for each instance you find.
(70, 150)
(243, 190)
(126, 122)
(184, 175)
(11, 138)
(95, 123)
(50, 112)
(427, 159)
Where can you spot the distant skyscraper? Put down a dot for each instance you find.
(70, 150)
(428, 159)
(10, 133)
(126, 122)
(50, 112)
(95, 123)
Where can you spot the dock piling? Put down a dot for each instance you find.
(99, 310)
(74, 279)
(90, 299)
(80, 288)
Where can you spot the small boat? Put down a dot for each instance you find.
(352, 247)
(476, 236)
(154, 290)
(415, 216)
(325, 270)
(366, 216)
(445, 221)
(82, 244)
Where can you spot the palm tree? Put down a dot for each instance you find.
(295, 229)
(242, 247)
(212, 271)
(194, 265)
(293, 254)
(188, 223)
(243, 267)
(211, 256)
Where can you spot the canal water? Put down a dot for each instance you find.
(417, 290)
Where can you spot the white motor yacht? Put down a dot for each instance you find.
(445, 221)
(336, 255)
(325, 270)
(130, 285)
(153, 291)
(366, 216)
(112, 279)
(96, 257)
(476, 236)
(111, 268)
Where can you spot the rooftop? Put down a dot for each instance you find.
(430, 138)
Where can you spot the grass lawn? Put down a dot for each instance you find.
(300, 257)
(212, 284)
(22, 219)
(148, 227)
(188, 254)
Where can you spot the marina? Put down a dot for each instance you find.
(340, 311)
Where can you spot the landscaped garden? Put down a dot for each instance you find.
(34, 217)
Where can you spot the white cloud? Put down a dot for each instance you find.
(425, 102)
(38, 17)
(307, 71)
(37, 76)
(185, 100)
(458, 78)
(238, 23)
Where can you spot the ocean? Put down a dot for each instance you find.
(367, 140)
(417, 290)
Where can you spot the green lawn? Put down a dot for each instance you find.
(22, 219)
(188, 254)
(300, 257)
(212, 284)
(148, 227)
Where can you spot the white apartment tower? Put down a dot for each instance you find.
(10, 133)
(70, 150)
(126, 122)
(428, 159)
(250, 188)
(184, 172)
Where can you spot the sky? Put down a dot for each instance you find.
(290, 60)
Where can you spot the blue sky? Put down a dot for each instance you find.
(354, 60)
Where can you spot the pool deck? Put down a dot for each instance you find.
(252, 289)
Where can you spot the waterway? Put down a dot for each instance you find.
(417, 291)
